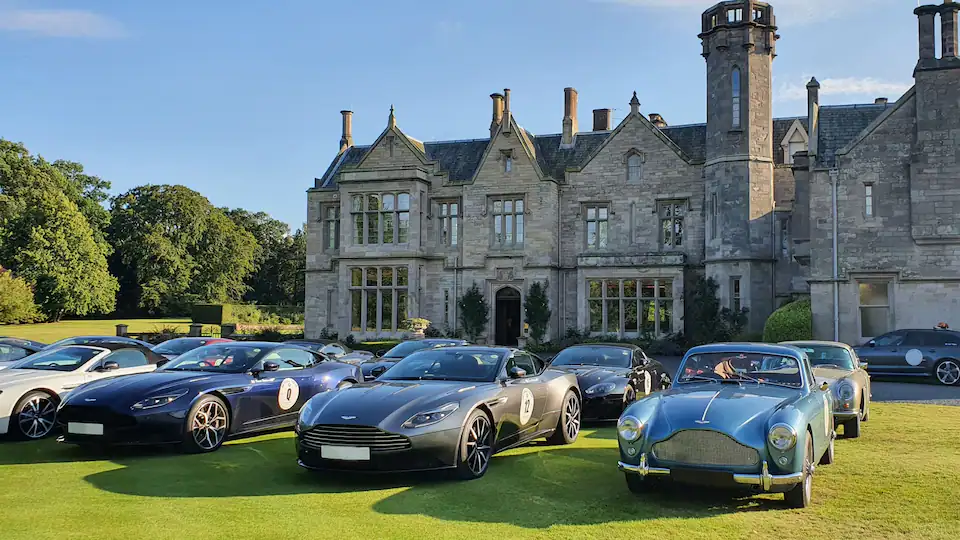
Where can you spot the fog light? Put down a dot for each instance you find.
(783, 460)
(631, 451)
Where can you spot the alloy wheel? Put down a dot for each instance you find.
(478, 445)
(36, 417)
(948, 372)
(571, 417)
(629, 396)
(209, 425)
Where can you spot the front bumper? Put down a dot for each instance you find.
(429, 451)
(602, 407)
(764, 481)
(122, 428)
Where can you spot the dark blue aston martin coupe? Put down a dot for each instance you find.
(203, 397)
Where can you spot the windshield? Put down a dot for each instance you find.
(825, 355)
(178, 346)
(226, 358)
(88, 340)
(62, 359)
(595, 356)
(447, 364)
(407, 348)
(742, 367)
(9, 353)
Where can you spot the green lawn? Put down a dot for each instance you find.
(50, 332)
(901, 479)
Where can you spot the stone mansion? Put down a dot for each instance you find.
(856, 205)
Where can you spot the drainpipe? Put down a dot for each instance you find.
(560, 280)
(834, 173)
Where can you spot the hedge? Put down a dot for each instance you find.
(792, 322)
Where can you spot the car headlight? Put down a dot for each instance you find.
(157, 401)
(431, 417)
(629, 428)
(845, 391)
(782, 437)
(602, 388)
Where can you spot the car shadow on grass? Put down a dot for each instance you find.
(536, 487)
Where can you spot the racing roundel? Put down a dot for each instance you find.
(647, 383)
(526, 406)
(289, 392)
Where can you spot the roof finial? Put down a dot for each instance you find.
(634, 104)
(392, 121)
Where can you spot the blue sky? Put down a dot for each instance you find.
(241, 100)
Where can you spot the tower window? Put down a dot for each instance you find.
(868, 200)
(735, 15)
(735, 77)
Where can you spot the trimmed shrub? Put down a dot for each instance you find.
(792, 322)
(16, 300)
(474, 312)
(537, 309)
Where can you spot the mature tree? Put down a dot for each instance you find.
(89, 193)
(16, 300)
(279, 260)
(173, 248)
(706, 320)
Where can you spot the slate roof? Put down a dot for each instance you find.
(839, 125)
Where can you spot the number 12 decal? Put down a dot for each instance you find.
(526, 406)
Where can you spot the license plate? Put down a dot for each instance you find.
(345, 453)
(84, 429)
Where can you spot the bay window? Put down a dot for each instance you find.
(378, 298)
(630, 307)
(381, 218)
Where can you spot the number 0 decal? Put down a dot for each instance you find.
(289, 392)
(526, 406)
(647, 383)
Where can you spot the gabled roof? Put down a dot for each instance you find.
(460, 159)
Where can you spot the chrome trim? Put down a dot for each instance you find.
(764, 480)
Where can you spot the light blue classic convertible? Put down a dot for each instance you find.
(738, 415)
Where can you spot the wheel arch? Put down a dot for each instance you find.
(222, 397)
(52, 393)
(936, 364)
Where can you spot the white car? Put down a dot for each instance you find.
(32, 389)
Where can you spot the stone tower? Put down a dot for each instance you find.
(739, 44)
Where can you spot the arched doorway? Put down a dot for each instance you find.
(507, 312)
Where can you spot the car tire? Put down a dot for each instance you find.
(568, 424)
(34, 416)
(947, 372)
(629, 395)
(851, 428)
(476, 446)
(799, 496)
(828, 456)
(864, 408)
(636, 484)
(207, 425)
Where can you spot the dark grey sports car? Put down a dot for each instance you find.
(446, 408)
(374, 367)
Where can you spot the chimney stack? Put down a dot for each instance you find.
(346, 139)
(569, 117)
(948, 28)
(497, 113)
(813, 117)
(602, 119)
(658, 120)
(926, 16)
(506, 110)
(881, 101)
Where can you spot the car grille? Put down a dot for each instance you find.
(703, 447)
(96, 415)
(343, 435)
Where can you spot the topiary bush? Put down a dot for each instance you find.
(792, 322)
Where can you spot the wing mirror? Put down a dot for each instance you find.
(824, 386)
(376, 372)
(109, 365)
(517, 373)
(380, 353)
(863, 365)
(271, 366)
(871, 343)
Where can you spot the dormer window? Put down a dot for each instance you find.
(794, 141)
(735, 87)
(507, 157)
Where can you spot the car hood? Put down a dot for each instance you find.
(741, 411)
(135, 388)
(11, 377)
(379, 402)
(830, 374)
(588, 376)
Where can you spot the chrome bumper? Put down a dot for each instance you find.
(846, 414)
(764, 480)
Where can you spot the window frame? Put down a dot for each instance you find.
(887, 307)
(597, 208)
(330, 225)
(396, 290)
(736, 90)
(674, 205)
(365, 213)
(785, 238)
(736, 294)
(449, 222)
(109, 358)
(514, 217)
(638, 158)
(869, 202)
(658, 301)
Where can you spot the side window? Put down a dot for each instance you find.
(333, 350)
(290, 359)
(639, 358)
(526, 363)
(538, 362)
(940, 339)
(9, 353)
(914, 339)
(127, 358)
(889, 340)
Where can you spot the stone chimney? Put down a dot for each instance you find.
(346, 139)
(658, 120)
(948, 28)
(813, 118)
(569, 117)
(926, 17)
(602, 119)
(881, 101)
(506, 110)
(497, 113)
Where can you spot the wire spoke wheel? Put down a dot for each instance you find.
(209, 425)
(478, 445)
(948, 372)
(571, 417)
(36, 417)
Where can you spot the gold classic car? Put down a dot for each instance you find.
(839, 365)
